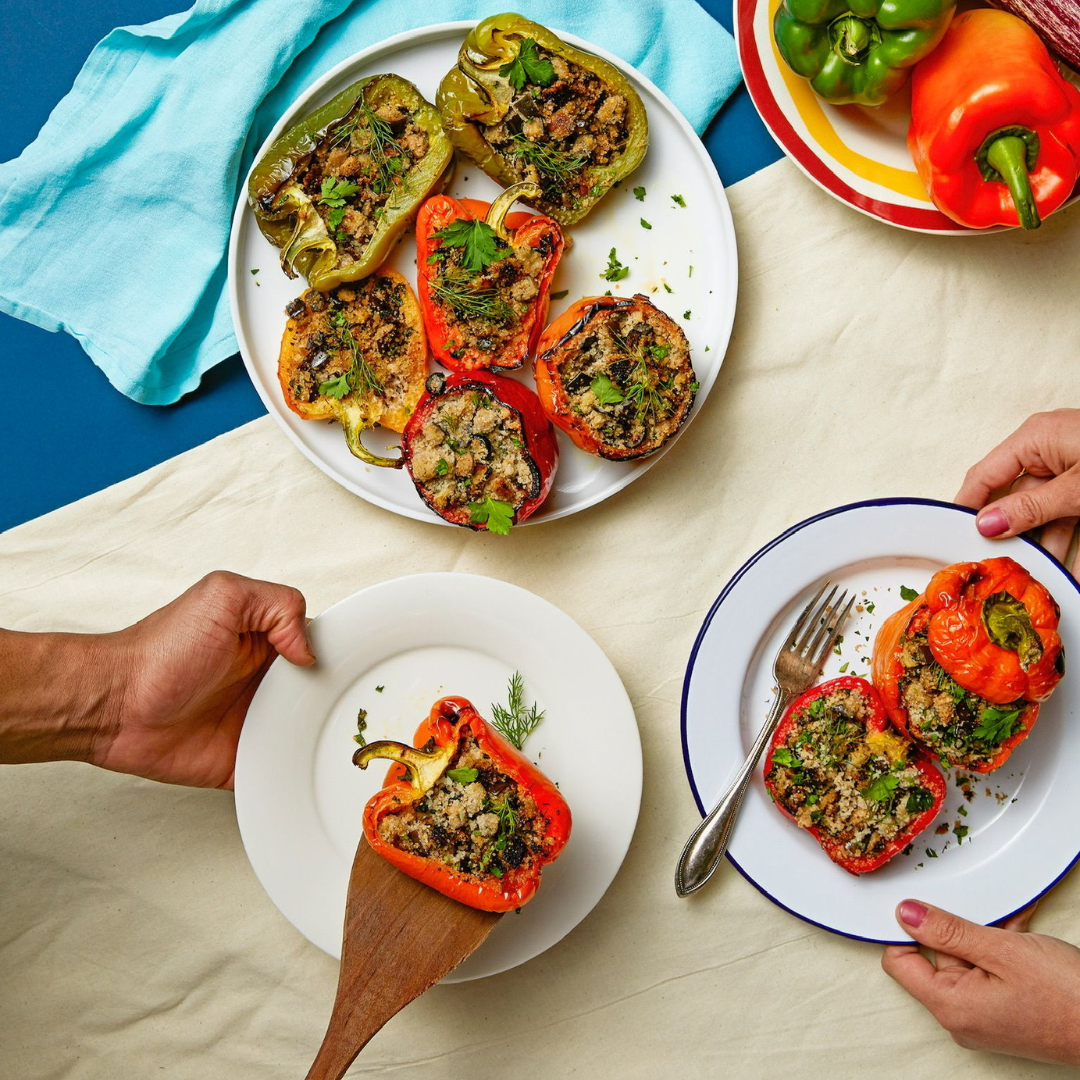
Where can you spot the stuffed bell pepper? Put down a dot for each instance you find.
(356, 354)
(995, 129)
(837, 769)
(484, 279)
(337, 189)
(524, 105)
(615, 374)
(858, 51)
(480, 450)
(963, 667)
(465, 812)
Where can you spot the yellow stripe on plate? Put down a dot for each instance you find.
(808, 106)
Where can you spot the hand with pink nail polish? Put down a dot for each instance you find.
(992, 988)
(1038, 469)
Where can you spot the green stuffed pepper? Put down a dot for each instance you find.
(337, 189)
(527, 107)
(858, 51)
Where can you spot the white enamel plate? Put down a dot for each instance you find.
(1022, 831)
(299, 798)
(689, 249)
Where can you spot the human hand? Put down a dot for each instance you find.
(190, 671)
(992, 988)
(1040, 461)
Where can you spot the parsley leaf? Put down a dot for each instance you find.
(639, 194)
(996, 725)
(605, 392)
(335, 217)
(498, 516)
(882, 788)
(615, 270)
(783, 756)
(479, 241)
(528, 67)
(442, 468)
(908, 594)
(336, 388)
(334, 191)
(463, 776)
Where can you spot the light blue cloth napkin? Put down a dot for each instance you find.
(114, 222)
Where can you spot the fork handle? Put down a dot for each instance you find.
(710, 839)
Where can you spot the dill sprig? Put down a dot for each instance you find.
(360, 376)
(388, 156)
(644, 387)
(549, 162)
(457, 291)
(515, 722)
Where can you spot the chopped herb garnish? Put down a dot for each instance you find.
(605, 392)
(336, 388)
(480, 243)
(463, 776)
(996, 725)
(686, 315)
(615, 270)
(931, 852)
(528, 67)
(560, 294)
(668, 288)
(516, 722)
(882, 788)
(908, 594)
(783, 756)
(459, 293)
(678, 200)
(960, 831)
(361, 727)
(498, 516)
(442, 467)
(254, 272)
(379, 689)
(645, 224)
(843, 667)
(918, 800)
(334, 191)
(554, 164)
(639, 194)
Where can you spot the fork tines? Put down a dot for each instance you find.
(818, 627)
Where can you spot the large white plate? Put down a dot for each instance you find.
(1024, 833)
(701, 236)
(299, 798)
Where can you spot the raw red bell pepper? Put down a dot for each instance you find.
(480, 450)
(464, 811)
(963, 667)
(995, 129)
(837, 769)
(485, 294)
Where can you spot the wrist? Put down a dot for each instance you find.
(61, 695)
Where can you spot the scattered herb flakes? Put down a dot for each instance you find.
(560, 295)
(361, 727)
(678, 200)
(379, 689)
(528, 67)
(962, 811)
(843, 667)
(686, 315)
(615, 270)
(908, 849)
(960, 831)
(254, 272)
(942, 829)
(695, 386)
(908, 594)
(463, 776)
(931, 853)
(442, 467)
(919, 799)
(645, 224)
(514, 721)
(639, 194)
(870, 607)
(498, 516)
(668, 288)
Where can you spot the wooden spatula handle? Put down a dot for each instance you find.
(400, 938)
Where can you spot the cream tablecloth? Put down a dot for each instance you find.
(134, 939)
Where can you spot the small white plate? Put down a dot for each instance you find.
(699, 236)
(1023, 830)
(299, 798)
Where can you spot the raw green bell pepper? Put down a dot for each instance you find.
(858, 51)
(527, 107)
(336, 190)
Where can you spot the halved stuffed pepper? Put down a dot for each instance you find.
(615, 374)
(336, 190)
(524, 105)
(963, 667)
(484, 279)
(837, 769)
(356, 354)
(480, 450)
(464, 811)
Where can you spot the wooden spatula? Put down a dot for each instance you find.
(400, 938)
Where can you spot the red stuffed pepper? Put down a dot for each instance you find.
(837, 769)
(465, 812)
(963, 667)
(480, 450)
(484, 278)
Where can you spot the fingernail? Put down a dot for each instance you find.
(993, 522)
(912, 913)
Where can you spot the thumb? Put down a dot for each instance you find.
(1031, 507)
(944, 932)
(279, 612)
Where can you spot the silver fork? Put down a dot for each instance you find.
(798, 664)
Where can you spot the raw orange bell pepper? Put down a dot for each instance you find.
(995, 129)
(464, 811)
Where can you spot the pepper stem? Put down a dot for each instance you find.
(853, 38)
(425, 766)
(353, 424)
(498, 210)
(1008, 155)
(1008, 625)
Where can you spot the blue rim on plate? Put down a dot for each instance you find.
(736, 577)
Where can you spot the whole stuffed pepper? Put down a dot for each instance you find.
(465, 812)
(357, 355)
(995, 129)
(837, 769)
(614, 373)
(337, 189)
(963, 667)
(484, 278)
(858, 51)
(524, 105)
(480, 450)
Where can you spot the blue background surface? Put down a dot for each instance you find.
(64, 431)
